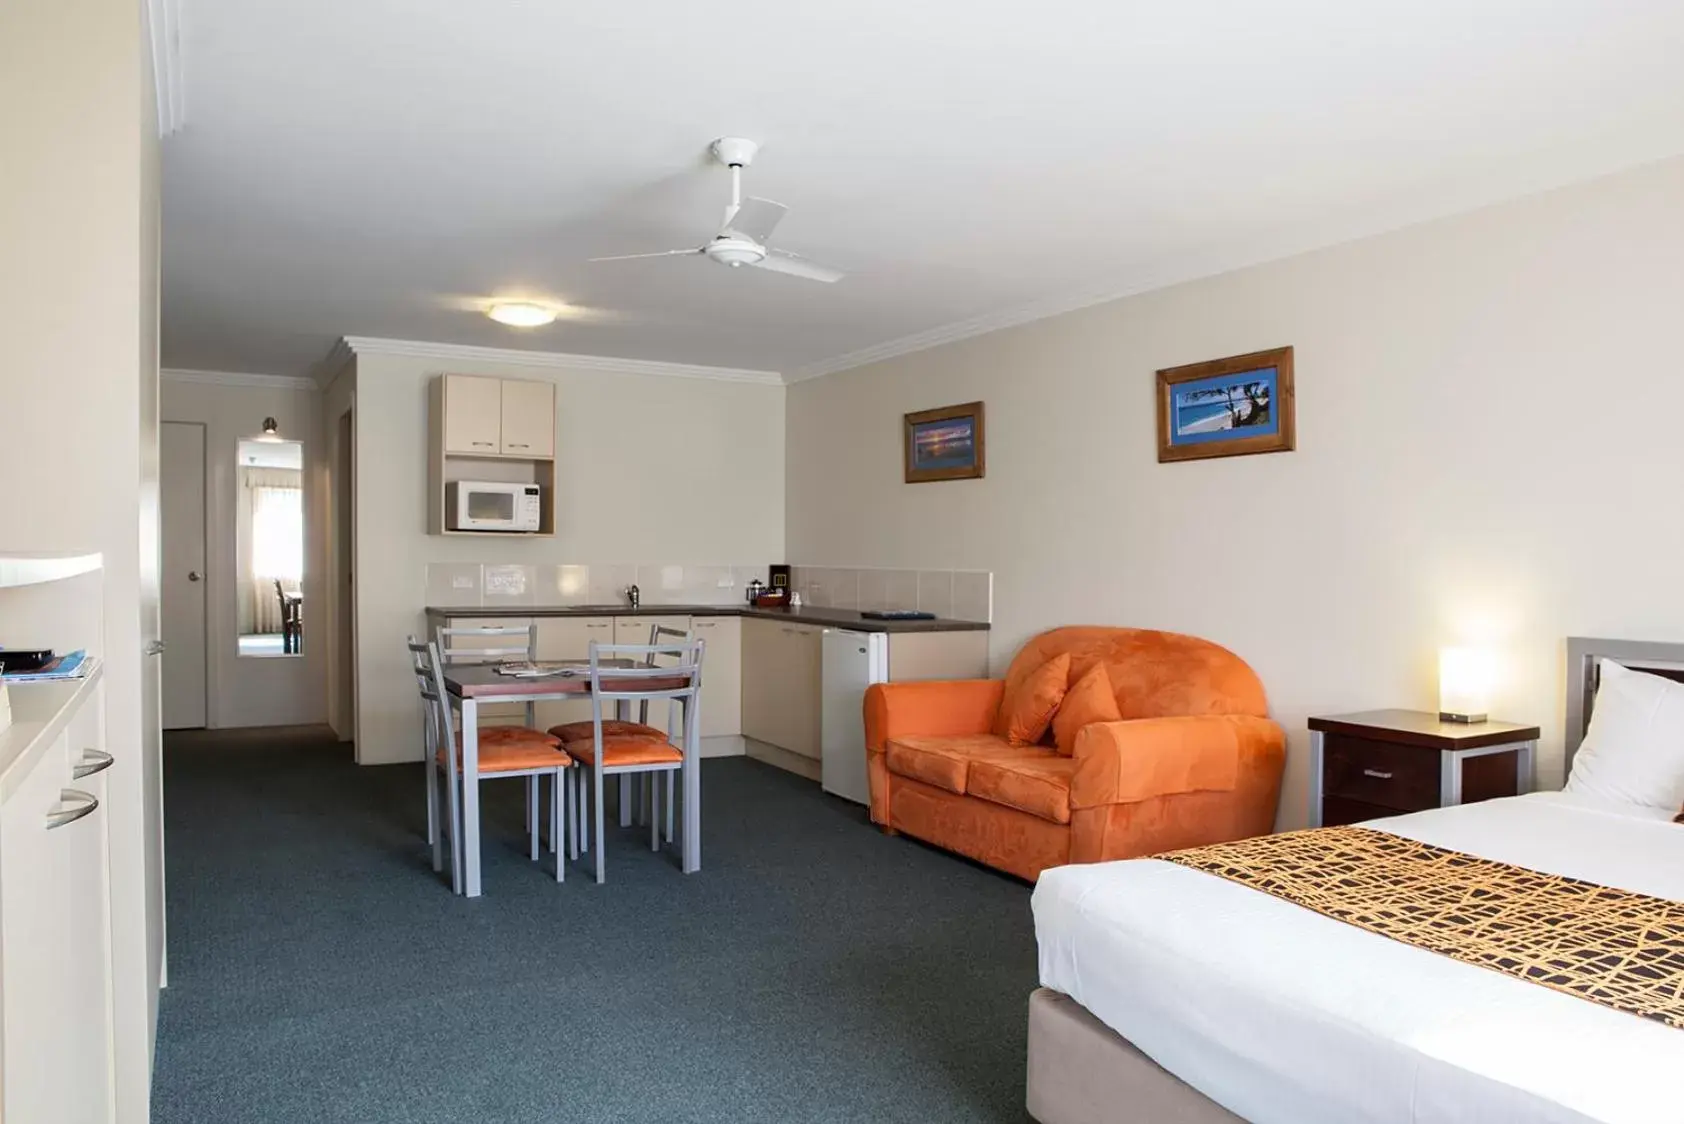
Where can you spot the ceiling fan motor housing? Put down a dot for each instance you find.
(735, 251)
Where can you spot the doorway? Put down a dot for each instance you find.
(342, 702)
(181, 510)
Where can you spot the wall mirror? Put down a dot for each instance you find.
(269, 551)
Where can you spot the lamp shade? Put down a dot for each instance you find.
(1464, 684)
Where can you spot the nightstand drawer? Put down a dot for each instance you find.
(1337, 811)
(1396, 777)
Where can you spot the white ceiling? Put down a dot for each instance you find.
(376, 167)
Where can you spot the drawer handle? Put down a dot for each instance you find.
(1377, 774)
(71, 815)
(93, 761)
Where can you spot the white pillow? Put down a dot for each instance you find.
(1634, 749)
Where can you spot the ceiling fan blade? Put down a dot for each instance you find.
(658, 254)
(756, 219)
(780, 262)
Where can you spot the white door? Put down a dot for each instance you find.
(181, 501)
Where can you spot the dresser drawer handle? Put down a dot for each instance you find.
(70, 815)
(1377, 774)
(93, 761)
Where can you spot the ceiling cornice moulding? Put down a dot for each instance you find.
(238, 378)
(464, 353)
(163, 22)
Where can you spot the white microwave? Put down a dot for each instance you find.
(478, 505)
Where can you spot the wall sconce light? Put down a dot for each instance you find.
(1464, 684)
(271, 431)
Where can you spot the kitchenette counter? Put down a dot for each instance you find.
(831, 618)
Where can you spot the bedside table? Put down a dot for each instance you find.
(1387, 762)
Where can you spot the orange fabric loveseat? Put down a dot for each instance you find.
(1193, 758)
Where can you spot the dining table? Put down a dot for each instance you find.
(469, 686)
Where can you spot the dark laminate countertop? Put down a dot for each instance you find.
(834, 618)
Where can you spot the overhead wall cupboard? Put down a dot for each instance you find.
(484, 428)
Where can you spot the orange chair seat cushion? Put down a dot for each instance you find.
(1036, 781)
(942, 761)
(611, 728)
(626, 749)
(508, 749)
(1029, 706)
(1092, 699)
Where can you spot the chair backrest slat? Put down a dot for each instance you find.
(460, 653)
(627, 683)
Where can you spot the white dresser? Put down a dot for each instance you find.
(56, 1027)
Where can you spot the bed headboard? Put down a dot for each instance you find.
(1583, 655)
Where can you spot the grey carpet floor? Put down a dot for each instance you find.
(814, 970)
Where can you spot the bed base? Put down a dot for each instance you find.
(1083, 1072)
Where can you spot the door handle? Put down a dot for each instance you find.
(155, 648)
(93, 761)
(71, 815)
(194, 575)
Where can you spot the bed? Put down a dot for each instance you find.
(1171, 995)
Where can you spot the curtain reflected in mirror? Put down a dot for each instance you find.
(269, 557)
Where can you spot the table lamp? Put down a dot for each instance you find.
(1464, 684)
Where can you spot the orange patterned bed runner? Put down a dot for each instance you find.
(1613, 947)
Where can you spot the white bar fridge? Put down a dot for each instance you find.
(851, 662)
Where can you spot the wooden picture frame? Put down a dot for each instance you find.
(953, 451)
(1229, 407)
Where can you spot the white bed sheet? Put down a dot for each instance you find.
(1288, 1017)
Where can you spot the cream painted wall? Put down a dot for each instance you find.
(1488, 449)
(336, 499)
(652, 467)
(246, 691)
(78, 406)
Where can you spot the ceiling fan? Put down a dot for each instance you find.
(748, 224)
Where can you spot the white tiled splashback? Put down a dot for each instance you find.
(966, 595)
(466, 584)
(960, 594)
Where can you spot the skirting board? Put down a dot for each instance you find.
(725, 745)
(783, 759)
(1083, 1072)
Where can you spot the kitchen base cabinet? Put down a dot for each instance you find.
(569, 638)
(491, 714)
(722, 675)
(55, 919)
(780, 665)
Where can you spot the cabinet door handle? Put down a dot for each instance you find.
(1377, 774)
(93, 761)
(519, 445)
(486, 444)
(71, 815)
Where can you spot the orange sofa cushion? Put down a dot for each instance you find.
(1092, 699)
(1036, 781)
(942, 762)
(1029, 705)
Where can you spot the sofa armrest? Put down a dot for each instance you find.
(1128, 762)
(937, 708)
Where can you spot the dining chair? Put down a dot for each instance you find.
(495, 644)
(644, 801)
(437, 764)
(504, 751)
(644, 751)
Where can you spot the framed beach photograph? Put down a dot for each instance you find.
(945, 444)
(1227, 407)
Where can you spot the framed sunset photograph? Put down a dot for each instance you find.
(1227, 407)
(945, 444)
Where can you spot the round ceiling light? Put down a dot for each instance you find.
(521, 314)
